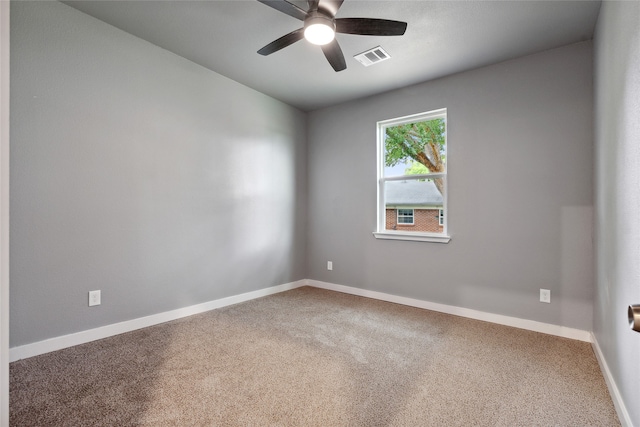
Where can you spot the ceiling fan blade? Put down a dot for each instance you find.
(370, 27)
(331, 6)
(313, 5)
(282, 42)
(286, 8)
(334, 55)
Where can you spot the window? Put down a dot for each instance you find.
(412, 177)
(405, 216)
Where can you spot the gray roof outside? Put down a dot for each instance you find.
(412, 193)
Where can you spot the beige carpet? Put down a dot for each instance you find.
(310, 357)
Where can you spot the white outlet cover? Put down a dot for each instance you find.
(329, 265)
(94, 298)
(545, 295)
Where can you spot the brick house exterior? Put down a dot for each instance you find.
(424, 220)
(419, 203)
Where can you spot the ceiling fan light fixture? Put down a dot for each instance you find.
(321, 25)
(319, 29)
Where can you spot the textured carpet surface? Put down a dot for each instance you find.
(310, 357)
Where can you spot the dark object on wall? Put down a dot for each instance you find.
(634, 317)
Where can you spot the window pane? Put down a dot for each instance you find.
(415, 148)
(399, 169)
(405, 216)
(415, 205)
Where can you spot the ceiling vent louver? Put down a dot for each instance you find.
(372, 56)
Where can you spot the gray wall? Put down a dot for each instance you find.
(617, 135)
(164, 185)
(139, 173)
(520, 183)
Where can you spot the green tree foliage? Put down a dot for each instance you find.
(421, 142)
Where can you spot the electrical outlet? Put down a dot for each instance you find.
(329, 265)
(545, 295)
(94, 298)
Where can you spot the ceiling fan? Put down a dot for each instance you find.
(321, 25)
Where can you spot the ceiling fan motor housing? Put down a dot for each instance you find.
(319, 17)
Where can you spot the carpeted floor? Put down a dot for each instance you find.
(310, 357)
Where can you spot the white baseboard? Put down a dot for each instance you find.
(531, 325)
(58, 343)
(621, 409)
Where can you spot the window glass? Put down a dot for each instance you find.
(405, 216)
(412, 174)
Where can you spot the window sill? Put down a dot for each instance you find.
(391, 235)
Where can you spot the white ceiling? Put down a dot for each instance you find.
(442, 38)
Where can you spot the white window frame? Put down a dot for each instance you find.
(413, 215)
(440, 216)
(382, 232)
